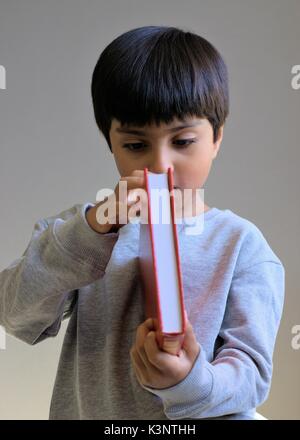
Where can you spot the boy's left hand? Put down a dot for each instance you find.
(156, 368)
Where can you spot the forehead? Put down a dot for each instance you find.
(173, 126)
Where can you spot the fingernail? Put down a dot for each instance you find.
(131, 197)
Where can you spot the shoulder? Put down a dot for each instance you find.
(248, 241)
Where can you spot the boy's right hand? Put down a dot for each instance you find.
(134, 181)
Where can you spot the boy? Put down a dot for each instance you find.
(146, 84)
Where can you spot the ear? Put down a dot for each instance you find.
(217, 144)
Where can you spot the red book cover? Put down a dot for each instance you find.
(159, 264)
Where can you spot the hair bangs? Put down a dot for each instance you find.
(153, 74)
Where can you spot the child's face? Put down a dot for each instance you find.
(159, 148)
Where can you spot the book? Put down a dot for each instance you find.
(159, 263)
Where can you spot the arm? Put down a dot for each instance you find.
(39, 289)
(239, 377)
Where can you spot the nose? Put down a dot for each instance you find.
(160, 162)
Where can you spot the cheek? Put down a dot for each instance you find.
(124, 165)
(195, 171)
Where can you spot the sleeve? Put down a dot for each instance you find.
(239, 377)
(39, 289)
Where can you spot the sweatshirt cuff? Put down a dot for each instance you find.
(191, 393)
(80, 241)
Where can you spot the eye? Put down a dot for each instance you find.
(132, 145)
(186, 142)
(183, 143)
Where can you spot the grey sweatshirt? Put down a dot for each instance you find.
(233, 291)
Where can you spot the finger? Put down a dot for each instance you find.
(133, 178)
(141, 334)
(133, 195)
(190, 343)
(133, 181)
(134, 211)
(137, 173)
(138, 365)
(143, 367)
(143, 329)
(154, 355)
(129, 196)
(140, 200)
(141, 340)
(151, 323)
(126, 184)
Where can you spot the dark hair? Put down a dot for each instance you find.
(152, 74)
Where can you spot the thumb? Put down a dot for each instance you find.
(190, 343)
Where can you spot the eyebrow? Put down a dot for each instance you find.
(168, 130)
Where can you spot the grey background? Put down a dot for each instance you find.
(52, 155)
